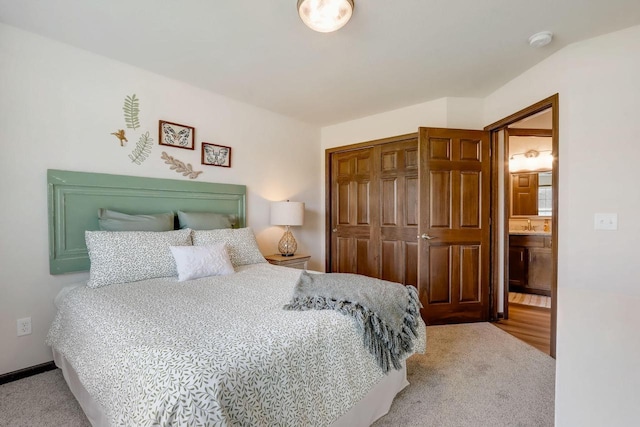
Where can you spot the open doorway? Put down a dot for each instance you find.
(524, 252)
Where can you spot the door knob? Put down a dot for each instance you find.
(426, 237)
(335, 230)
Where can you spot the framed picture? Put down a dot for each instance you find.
(216, 155)
(176, 135)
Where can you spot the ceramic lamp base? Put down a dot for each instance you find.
(287, 245)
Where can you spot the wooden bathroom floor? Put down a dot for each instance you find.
(530, 299)
(530, 324)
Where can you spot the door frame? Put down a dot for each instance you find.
(497, 263)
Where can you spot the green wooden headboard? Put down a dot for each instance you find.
(75, 197)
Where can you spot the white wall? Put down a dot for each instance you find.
(463, 113)
(391, 123)
(444, 112)
(58, 106)
(599, 287)
(598, 283)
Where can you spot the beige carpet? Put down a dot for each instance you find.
(472, 375)
(41, 400)
(475, 375)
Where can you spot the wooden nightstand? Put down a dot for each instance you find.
(295, 261)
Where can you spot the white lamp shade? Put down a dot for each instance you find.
(287, 213)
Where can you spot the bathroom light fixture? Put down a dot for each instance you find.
(287, 214)
(530, 161)
(325, 16)
(540, 39)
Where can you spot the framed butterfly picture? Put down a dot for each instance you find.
(216, 155)
(176, 135)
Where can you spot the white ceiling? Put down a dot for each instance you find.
(392, 53)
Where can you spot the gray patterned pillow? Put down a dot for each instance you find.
(117, 221)
(241, 244)
(205, 220)
(129, 256)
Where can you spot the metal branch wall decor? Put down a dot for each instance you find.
(170, 134)
(131, 111)
(142, 150)
(179, 166)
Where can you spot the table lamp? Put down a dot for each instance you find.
(288, 214)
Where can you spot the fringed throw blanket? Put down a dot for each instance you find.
(387, 313)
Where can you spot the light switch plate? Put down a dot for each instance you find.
(605, 221)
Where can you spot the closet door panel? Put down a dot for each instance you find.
(411, 263)
(391, 254)
(389, 201)
(399, 190)
(353, 213)
(412, 192)
(374, 207)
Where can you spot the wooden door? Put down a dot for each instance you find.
(399, 195)
(524, 193)
(354, 219)
(454, 253)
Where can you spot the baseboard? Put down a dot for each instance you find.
(27, 372)
(500, 315)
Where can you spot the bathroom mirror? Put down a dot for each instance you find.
(531, 194)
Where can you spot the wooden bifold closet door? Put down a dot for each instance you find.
(374, 210)
(415, 210)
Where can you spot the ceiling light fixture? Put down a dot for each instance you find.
(532, 160)
(540, 39)
(325, 16)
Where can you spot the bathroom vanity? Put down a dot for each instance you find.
(530, 262)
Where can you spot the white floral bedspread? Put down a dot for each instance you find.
(214, 351)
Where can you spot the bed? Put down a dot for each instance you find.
(216, 350)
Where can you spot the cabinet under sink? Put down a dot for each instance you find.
(530, 263)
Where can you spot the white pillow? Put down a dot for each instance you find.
(129, 256)
(193, 262)
(241, 244)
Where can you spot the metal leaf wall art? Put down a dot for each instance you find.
(184, 168)
(131, 110)
(142, 150)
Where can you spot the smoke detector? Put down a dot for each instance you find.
(540, 39)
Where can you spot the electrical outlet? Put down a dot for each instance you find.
(24, 326)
